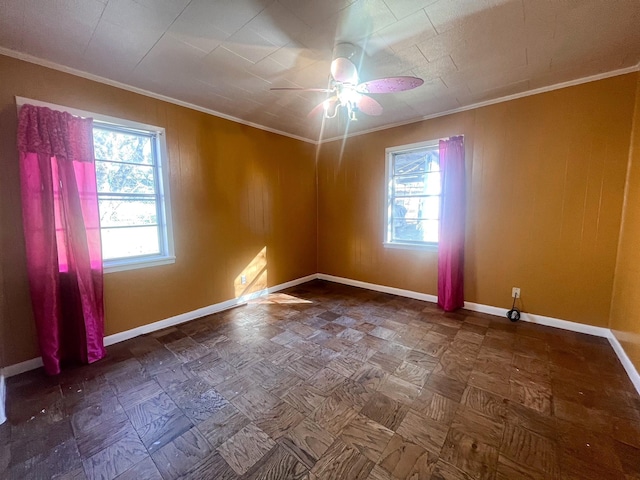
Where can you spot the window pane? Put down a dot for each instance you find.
(129, 242)
(122, 147)
(416, 231)
(120, 212)
(421, 208)
(419, 184)
(123, 178)
(416, 161)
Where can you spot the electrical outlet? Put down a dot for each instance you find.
(515, 292)
(243, 279)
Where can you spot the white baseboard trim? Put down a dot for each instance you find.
(3, 396)
(541, 320)
(34, 363)
(628, 365)
(379, 288)
(633, 374)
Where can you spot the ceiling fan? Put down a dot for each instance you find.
(348, 92)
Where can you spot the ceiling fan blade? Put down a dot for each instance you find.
(344, 71)
(369, 106)
(390, 85)
(321, 106)
(300, 89)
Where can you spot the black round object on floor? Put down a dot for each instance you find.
(513, 314)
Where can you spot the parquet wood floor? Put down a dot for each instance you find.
(325, 382)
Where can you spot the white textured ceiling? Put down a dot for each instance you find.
(224, 55)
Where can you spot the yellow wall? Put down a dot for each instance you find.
(545, 175)
(235, 190)
(625, 308)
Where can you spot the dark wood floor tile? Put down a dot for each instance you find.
(255, 402)
(386, 362)
(379, 473)
(305, 367)
(422, 360)
(278, 464)
(168, 335)
(144, 413)
(487, 403)
(304, 399)
(143, 470)
(333, 415)
(435, 406)
(399, 389)
(406, 460)
(531, 394)
(181, 454)
(473, 457)
(164, 429)
(498, 385)
(117, 458)
(352, 393)
(197, 399)
(426, 432)
(531, 420)
(307, 441)
(446, 386)
(89, 417)
(530, 450)
(629, 458)
(278, 420)
(56, 461)
(412, 373)
(246, 448)
(585, 445)
(214, 372)
(212, 467)
(75, 474)
(139, 394)
(477, 426)
(329, 316)
(342, 462)
(371, 376)
(101, 436)
(345, 366)
(385, 411)
(280, 384)
(325, 381)
(511, 470)
(222, 425)
(35, 438)
(369, 437)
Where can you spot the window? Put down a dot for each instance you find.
(133, 217)
(133, 190)
(413, 196)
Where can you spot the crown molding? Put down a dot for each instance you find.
(96, 78)
(113, 83)
(486, 103)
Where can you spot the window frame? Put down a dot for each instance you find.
(163, 195)
(389, 197)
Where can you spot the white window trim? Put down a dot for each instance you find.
(119, 265)
(386, 234)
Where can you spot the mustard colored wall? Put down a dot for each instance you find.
(625, 307)
(545, 177)
(235, 190)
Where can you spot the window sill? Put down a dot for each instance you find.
(430, 247)
(133, 264)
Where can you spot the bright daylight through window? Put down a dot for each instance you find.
(413, 195)
(133, 216)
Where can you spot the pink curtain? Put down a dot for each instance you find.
(62, 235)
(452, 221)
